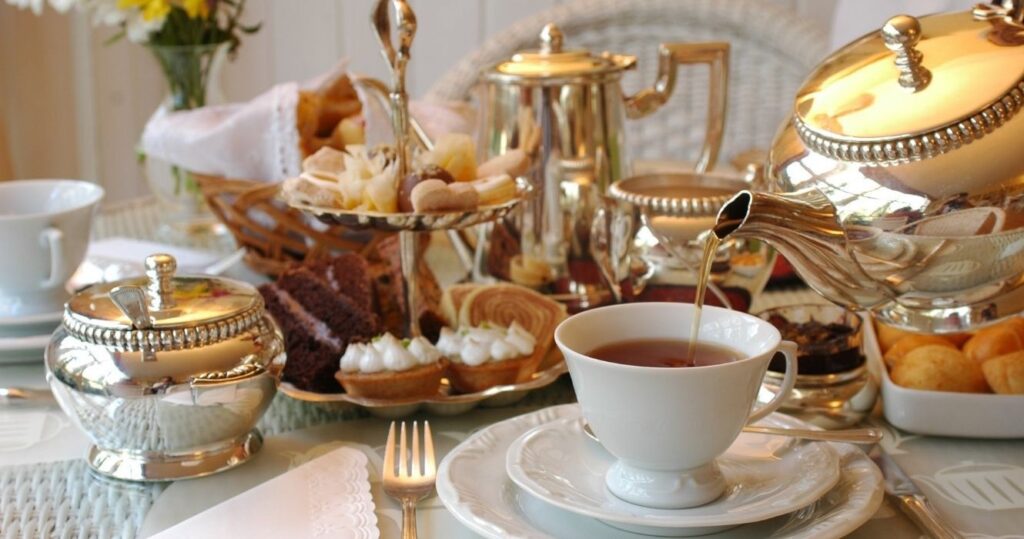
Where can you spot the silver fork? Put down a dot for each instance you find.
(412, 480)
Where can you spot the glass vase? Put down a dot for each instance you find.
(192, 73)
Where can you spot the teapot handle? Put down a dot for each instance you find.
(670, 57)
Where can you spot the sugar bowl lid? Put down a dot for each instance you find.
(917, 88)
(552, 61)
(163, 311)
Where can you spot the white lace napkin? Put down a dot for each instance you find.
(259, 139)
(328, 497)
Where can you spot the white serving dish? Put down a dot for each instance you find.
(944, 413)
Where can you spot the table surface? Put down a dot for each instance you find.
(47, 490)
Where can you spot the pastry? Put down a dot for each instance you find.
(318, 323)
(513, 163)
(387, 368)
(502, 305)
(1005, 374)
(494, 190)
(888, 335)
(411, 180)
(530, 271)
(326, 162)
(436, 196)
(939, 368)
(910, 342)
(452, 298)
(456, 153)
(1000, 339)
(486, 356)
(311, 190)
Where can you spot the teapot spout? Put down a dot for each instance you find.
(803, 226)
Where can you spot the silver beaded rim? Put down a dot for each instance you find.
(163, 340)
(917, 147)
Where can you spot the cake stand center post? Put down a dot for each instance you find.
(407, 248)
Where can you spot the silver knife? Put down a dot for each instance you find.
(910, 498)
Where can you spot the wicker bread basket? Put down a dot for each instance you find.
(273, 234)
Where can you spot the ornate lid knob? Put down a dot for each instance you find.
(551, 39)
(901, 33)
(160, 272)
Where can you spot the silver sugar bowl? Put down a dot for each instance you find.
(167, 374)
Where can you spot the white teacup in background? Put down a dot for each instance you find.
(666, 425)
(44, 233)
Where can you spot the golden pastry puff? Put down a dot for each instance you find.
(1000, 339)
(1005, 374)
(910, 342)
(939, 368)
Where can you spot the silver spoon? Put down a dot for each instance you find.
(866, 436)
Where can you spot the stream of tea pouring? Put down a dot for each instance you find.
(712, 239)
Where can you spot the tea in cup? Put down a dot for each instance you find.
(44, 231)
(664, 415)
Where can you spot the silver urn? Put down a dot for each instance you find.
(167, 374)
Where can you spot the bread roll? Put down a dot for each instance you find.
(939, 368)
(1005, 374)
(910, 342)
(1001, 339)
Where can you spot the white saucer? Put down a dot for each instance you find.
(766, 476)
(27, 325)
(473, 485)
(23, 349)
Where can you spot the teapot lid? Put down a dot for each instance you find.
(551, 61)
(917, 88)
(163, 311)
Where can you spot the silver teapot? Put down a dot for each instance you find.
(567, 111)
(166, 374)
(899, 179)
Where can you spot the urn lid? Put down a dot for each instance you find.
(917, 88)
(553, 62)
(162, 310)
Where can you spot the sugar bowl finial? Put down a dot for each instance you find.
(551, 39)
(160, 270)
(901, 33)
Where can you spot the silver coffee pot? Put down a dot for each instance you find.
(167, 374)
(899, 179)
(566, 109)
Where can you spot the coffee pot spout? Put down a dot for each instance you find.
(803, 226)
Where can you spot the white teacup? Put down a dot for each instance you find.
(666, 425)
(44, 232)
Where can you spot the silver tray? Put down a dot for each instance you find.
(444, 403)
(417, 222)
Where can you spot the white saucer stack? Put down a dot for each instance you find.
(24, 338)
(539, 475)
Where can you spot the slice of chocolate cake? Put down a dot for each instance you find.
(347, 274)
(309, 343)
(318, 322)
(390, 294)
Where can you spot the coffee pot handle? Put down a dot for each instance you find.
(53, 239)
(670, 56)
(788, 349)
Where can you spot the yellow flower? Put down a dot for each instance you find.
(196, 8)
(152, 10)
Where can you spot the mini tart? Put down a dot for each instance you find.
(472, 379)
(418, 382)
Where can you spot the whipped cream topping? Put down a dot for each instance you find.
(476, 346)
(388, 353)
